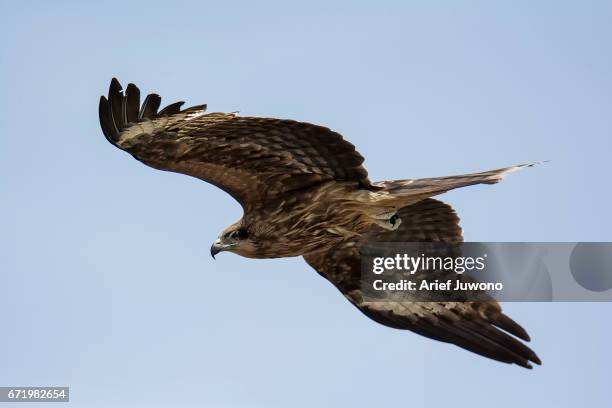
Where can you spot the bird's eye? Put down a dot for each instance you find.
(238, 234)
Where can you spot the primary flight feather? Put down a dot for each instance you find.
(305, 192)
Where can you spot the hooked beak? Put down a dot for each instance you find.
(216, 247)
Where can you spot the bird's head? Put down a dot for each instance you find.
(234, 238)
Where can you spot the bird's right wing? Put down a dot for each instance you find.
(474, 326)
(429, 187)
(252, 159)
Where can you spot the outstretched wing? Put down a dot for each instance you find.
(252, 159)
(474, 326)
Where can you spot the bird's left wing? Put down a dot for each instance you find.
(252, 159)
(474, 326)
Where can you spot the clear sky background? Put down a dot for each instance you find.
(106, 280)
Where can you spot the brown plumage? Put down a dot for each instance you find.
(305, 192)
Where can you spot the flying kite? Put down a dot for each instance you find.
(305, 192)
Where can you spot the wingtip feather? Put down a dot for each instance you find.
(150, 106)
(106, 121)
(131, 103)
(171, 109)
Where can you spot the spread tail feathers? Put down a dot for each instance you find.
(427, 187)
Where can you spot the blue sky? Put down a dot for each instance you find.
(107, 284)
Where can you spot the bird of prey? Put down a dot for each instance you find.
(304, 192)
